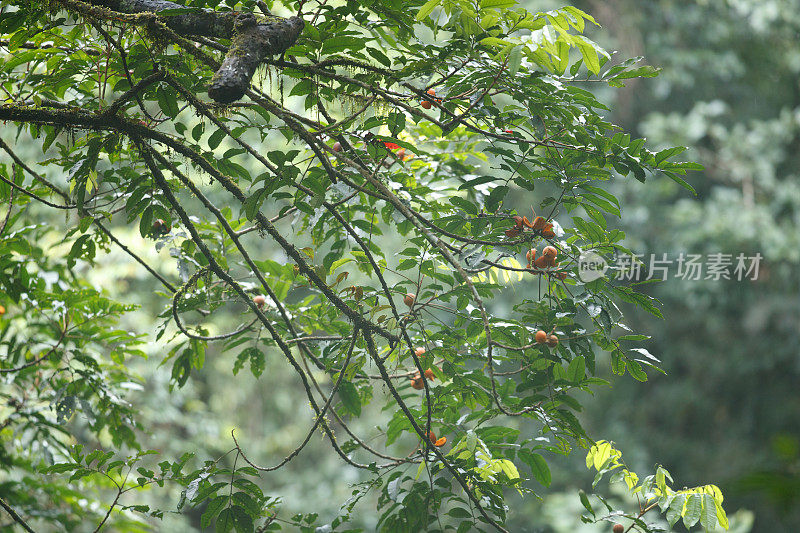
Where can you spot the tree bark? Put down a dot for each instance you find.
(252, 38)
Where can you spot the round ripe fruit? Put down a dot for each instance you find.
(409, 298)
(429, 374)
(541, 262)
(552, 341)
(2, 310)
(432, 436)
(550, 251)
(618, 528)
(441, 442)
(426, 104)
(541, 337)
(531, 255)
(259, 300)
(417, 384)
(431, 92)
(419, 351)
(337, 146)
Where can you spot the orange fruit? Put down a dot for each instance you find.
(259, 300)
(550, 252)
(539, 223)
(552, 341)
(531, 255)
(417, 383)
(440, 442)
(419, 351)
(429, 374)
(409, 298)
(618, 528)
(541, 337)
(426, 104)
(337, 146)
(541, 262)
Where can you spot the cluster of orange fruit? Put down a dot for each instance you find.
(436, 442)
(416, 379)
(543, 338)
(428, 103)
(544, 261)
(539, 224)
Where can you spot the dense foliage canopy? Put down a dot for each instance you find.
(333, 131)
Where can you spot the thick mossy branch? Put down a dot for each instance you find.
(252, 42)
(252, 38)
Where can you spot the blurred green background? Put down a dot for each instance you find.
(728, 410)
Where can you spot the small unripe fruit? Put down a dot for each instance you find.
(552, 341)
(618, 528)
(550, 252)
(409, 298)
(337, 146)
(541, 337)
(259, 300)
(419, 351)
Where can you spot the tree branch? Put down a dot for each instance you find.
(253, 39)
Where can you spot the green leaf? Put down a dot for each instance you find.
(693, 509)
(350, 398)
(576, 372)
(213, 509)
(426, 9)
(538, 466)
